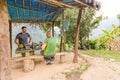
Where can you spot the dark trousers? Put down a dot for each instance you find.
(47, 58)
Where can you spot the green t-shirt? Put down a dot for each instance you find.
(50, 46)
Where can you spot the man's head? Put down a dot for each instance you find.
(24, 29)
(49, 34)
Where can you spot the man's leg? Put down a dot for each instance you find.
(47, 59)
(23, 54)
(42, 52)
(52, 59)
(32, 52)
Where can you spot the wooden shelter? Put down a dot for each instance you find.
(32, 11)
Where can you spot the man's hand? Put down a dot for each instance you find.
(43, 46)
(41, 43)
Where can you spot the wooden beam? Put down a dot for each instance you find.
(30, 9)
(23, 9)
(49, 2)
(50, 13)
(83, 4)
(53, 28)
(38, 13)
(31, 21)
(63, 5)
(16, 10)
(75, 59)
(45, 2)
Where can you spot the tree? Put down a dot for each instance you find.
(108, 37)
(88, 22)
(71, 15)
(118, 16)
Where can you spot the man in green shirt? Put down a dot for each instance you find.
(49, 47)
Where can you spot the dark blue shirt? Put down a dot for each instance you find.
(23, 38)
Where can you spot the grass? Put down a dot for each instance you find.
(83, 67)
(79, 70)
(107, 55)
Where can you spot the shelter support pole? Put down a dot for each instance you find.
(61, 41)
(5, 59)
(62, 33)
(75, 59)
(53, 28)
(10, 30)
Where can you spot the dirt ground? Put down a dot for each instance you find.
(46, 72)
(99, 69)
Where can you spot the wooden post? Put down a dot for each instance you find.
(53, 28)
(75, 59)
(10, 30)
(5, 59)
(61, 48)
(62, 32)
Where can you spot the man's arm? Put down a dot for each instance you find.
(16, 41)
(43, 46)
(17, 38)
(30, 39)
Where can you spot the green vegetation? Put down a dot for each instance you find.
(104, 41)
(76, 72)
(107, 55)
(118, 17)
(88, 22)
(82, 67)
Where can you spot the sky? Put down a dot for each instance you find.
(110, 8)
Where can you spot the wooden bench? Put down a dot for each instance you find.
(62, 55)
(37, 56)
(17, 59)
(28, 62)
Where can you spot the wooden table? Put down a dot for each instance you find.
(26, 50)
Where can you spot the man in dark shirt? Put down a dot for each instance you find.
(22, 38)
